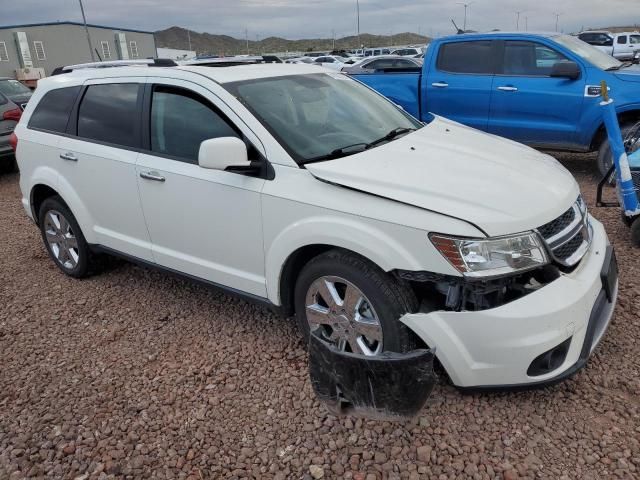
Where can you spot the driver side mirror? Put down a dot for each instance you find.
(566, 70)
(222, 153)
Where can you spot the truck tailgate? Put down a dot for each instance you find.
(401, 88)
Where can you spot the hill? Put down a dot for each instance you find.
(177, 37)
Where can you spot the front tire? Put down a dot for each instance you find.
(354, 305)
(63, 238)
(605, 158)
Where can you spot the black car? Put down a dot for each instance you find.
(15, 91)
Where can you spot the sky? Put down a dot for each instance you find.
(295, 19)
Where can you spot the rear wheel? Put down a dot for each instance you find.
(354, 305)
(63, 238)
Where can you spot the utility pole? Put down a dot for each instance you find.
(466, 6)
(557, 19)
(246, 39)
(86, 29)
(358, 22)
(333, 39)
(189, 38)
(518, 20)
(526, 24)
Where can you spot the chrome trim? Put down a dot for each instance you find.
(577, 219)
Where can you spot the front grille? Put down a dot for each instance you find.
(554, 227)
(568, 236)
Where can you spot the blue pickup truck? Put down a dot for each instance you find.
(542, 90)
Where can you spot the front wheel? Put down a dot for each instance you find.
(354, 305)
(605, 158)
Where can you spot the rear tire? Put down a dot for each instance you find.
(375, 327)
(63, 238)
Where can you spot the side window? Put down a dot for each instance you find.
(466, 57)
(622, 39)
(378, 64)
(404, 64)
(52, 112)
(108, 113)
(635, 39)
(181, 120)
(529, 59)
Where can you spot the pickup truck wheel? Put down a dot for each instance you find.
(63, 238)
(354, 305)
(605, 158)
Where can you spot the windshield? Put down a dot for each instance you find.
(588, 52)
(13, 87)
(315, 115)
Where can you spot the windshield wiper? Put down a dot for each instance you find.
(396, 132)
(359, 147)
(339, 153)
(618, 67)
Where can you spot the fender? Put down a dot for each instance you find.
(42, 175)
(596, 123)
(359, 237)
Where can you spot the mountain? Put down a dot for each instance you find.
(177, 37)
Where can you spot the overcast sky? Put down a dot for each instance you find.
(317, 18)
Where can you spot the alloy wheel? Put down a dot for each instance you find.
(61, 239)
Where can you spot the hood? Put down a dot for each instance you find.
(629, 74)
(498, 185)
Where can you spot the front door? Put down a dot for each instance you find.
(202, 222)
(530, 106)
(458, 85)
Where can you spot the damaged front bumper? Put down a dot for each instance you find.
(504, 346)
(387, 386)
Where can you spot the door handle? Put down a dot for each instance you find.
(508, 89)
(69, 156)
(152, 176)
(440, 84)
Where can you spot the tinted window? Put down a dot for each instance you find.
(404, 64)
(52, 113)
(529, 58)
(378, 64)
(108, 113)
(466, 57)
(622, 39)
(181, 120)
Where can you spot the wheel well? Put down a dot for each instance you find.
(632, 116)
(292, 267)
(39, 194)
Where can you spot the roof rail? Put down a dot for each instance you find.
(232, 61)
(147, 62)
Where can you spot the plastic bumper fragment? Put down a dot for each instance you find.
(388, 386)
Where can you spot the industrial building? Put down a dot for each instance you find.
(29, 52)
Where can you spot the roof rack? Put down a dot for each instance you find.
(147, 62)
(232, 61)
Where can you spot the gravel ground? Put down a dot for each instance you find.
(135, 374)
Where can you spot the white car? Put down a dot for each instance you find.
(304, 190)
(623, 45)
(334, 62)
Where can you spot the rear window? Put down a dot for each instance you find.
(466, 57)
(109, 113)
(52, 112)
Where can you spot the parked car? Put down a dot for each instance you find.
(623, 46)
(15, 91)
(407, 52)
(10, 114)
(306, 191)
(371, 64)
(374, 52)
(300, 60)
(333, 62)
(539, 89)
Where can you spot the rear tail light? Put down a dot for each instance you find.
(14, 114)
(13, 141)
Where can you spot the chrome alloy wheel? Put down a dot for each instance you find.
(344, 316)
(61, 239)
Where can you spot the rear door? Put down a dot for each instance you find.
(458, 84)
(529, 106)
(98, 159)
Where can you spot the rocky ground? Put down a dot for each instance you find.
(135, 374)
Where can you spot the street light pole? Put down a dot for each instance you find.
(557, 19)
(466, 6)
(86, 29)
(358, 21)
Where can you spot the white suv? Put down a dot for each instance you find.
(305, 190)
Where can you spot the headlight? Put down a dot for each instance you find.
(492, 256)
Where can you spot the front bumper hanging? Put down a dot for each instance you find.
(388, 386)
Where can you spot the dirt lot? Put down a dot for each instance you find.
(136, 374)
